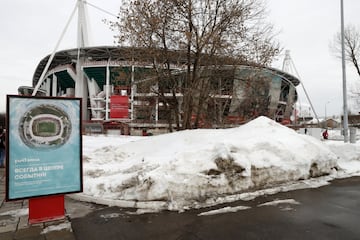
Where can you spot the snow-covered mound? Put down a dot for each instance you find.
(185, 168)
(348, 158)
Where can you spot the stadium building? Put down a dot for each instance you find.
(118, 94)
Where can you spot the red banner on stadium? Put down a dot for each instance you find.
(119, 106)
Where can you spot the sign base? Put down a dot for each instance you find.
(44, 209)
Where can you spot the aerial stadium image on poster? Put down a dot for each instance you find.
(44, 151)
(45, 126)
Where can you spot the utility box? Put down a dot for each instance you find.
(352, 135)
(315, 132)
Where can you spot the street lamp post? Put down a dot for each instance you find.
(325, 109)
(345, 121)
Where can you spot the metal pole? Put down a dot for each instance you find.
(326, 109)
(41, 79)
(107, 91)
(345, 120)
(325, 112)
(291, 64)
(82, 34)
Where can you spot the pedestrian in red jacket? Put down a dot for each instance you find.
(325, 134)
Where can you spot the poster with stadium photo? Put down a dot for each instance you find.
(44, 149)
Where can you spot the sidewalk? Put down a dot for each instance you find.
(14, 221)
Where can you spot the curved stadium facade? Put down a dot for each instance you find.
(116, 87)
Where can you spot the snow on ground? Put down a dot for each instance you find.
(16, 213)
(284, 205)
(279, 202)
(59, 227)
(349, 157)
(198, 168)
(224, 210)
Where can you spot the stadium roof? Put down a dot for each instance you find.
(106, 53)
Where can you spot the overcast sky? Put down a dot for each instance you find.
(31, 29)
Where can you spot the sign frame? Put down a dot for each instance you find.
(43, 146)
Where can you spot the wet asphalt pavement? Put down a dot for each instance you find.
(329, 212)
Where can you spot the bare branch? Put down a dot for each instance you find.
(352, 46)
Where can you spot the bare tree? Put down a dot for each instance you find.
(352, 54)
(352, 46)
(196, 36)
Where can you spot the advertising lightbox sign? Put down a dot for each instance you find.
(44, 147)
(119, 107)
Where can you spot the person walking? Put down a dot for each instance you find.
(325, 134)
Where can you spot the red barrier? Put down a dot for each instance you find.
(44, 209)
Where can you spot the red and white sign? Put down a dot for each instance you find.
(119, 106)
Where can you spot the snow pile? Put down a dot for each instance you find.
(185, 169)
(348, 158)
